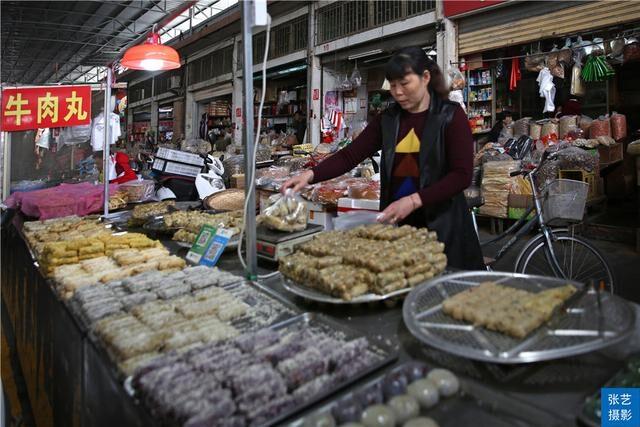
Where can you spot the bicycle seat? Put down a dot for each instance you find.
(474, 197)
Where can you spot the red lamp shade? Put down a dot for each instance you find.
(151, 56)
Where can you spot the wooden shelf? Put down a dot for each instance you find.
(480, 85)
(483, 100)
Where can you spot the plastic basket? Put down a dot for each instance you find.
(565, 199)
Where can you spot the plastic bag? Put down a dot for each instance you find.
(355, 219)
(631, 50)
(272, 176)
(549, 128)
(534, 63)
(138, 191)
(600, 127)
(618, 126)
(287, 212)
(456, 79)
(535, 130)
(521, 185)
(634, 148)
(577, 84)
(196, 146)
(585, 124)
(457, 96)
(364, 190)
(566, 123)
(521, 127)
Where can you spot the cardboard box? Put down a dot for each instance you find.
(613, 153)
(237, 181)
(346, 204)
(320, 215)
(175, 168)
(180, 156)
(324, 219)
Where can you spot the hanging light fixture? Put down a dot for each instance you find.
(152, 55)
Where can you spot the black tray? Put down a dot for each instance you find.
(469, 407)
(385, 354)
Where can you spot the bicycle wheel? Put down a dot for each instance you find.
(578, 259)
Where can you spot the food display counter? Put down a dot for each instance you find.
(72, 380)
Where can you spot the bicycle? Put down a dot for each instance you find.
(553, 251)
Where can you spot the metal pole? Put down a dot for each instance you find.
(250, 224)
(6, 165)
(107, 138)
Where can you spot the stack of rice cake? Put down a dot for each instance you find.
(39, 233)
(143, 316)
(55, 254)
(191, 222)
(511, 311)
(142, 213)
(121, 264)
(250, 380)
(374, 258)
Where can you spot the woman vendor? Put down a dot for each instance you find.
(427, 157)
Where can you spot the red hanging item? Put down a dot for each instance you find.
(515, 74)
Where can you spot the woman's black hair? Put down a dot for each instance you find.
(415, 60)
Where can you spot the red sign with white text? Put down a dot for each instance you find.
(238, 112)
(25, 108)
(458, 7)
(316, 94)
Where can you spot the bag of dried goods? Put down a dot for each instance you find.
(566, 124)
(600, 127)
(287, 212)
(618, 126)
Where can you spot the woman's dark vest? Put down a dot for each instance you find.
(451, 218)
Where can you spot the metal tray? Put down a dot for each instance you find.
(575, 329)
(156, 225)
(470, 406)
(321, 323)
(266, 311)
(314, 295)
(384, 352)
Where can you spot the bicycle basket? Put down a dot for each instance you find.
(565, 199)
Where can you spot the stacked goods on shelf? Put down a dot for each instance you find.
(190, 223)
(496, 184)
(219, 107)
(253, 379)
(375, 258)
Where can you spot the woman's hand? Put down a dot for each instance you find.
(400, 209)
(297, 182)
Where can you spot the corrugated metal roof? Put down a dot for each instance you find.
(57, 41)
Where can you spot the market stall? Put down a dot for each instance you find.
(151, 316)
(87, 350)
(563, 93)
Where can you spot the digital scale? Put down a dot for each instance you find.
(273, 245)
